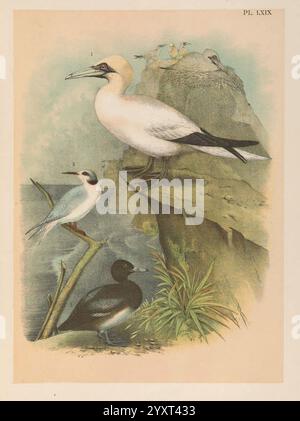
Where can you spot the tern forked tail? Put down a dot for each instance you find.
(42, 228)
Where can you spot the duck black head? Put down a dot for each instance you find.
(121, 269)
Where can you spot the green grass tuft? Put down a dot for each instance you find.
(186, 305)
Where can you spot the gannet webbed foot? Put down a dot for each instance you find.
(163, 173)
(141, 170)
(146, 173)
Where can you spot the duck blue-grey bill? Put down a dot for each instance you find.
(135, 269)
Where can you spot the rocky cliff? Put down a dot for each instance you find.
(233, 231)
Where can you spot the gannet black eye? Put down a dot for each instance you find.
(104, 67)
(85, 173)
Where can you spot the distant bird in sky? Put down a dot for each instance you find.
(150, 125)
(73, 206)
(109, 305)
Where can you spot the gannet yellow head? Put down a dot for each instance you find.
(108, 68)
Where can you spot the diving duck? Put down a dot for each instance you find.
(109, 305)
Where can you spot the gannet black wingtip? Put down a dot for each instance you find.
(237, 154)
(205, 139)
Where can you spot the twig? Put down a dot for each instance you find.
(45, 193)
(52, 301)
(61, 278)
(49, 299)
(70, 284)
(63, 292)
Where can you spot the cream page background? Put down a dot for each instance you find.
(290, 386)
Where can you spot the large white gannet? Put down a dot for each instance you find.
(150, 125)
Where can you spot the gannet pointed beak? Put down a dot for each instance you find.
(91, 71)
(70, 172)
(215, 60)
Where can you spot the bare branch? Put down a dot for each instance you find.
(44, 192)
(63, 291)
